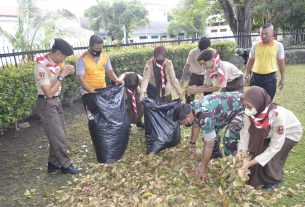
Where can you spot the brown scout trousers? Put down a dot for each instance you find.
(53, 122)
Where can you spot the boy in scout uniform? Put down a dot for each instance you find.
(193, 67)
(49, 74)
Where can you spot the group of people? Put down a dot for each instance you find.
(268, 131)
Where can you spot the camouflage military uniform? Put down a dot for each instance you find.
(216, 111)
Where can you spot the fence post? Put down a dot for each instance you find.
(15, 60)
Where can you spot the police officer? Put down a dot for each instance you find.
(49, 74)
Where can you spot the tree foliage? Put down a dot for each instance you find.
(279, 14)
(35, 26)
(189, 17)
(117, 17)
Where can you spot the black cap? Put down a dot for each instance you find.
(181, 111)
(63, 46)
(204, 43)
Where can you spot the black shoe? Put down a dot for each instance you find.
(53, 168)
(72, 170)
(140, 125)
(271, 186)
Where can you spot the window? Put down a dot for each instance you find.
(154, 37)
(223, 30)
(214, 30)
(143, 37)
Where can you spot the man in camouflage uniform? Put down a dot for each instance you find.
(212, 113)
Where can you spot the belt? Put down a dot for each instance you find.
(43, 96)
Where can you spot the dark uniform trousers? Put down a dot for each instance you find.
(197, 80)
(53, 122)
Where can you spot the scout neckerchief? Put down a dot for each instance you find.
(134, 103)
(217, 72)
(45, 61)
(162, 67)
(265, 119)
(160, 77)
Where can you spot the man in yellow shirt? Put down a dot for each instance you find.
(93, 65)
(265, 58)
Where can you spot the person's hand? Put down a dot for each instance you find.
(191, 145)
(247, 80)
(246, 165)
(67, 70)
(192, 90)
(141, 96)
(118, 82)
(281, 84)
(202, 172)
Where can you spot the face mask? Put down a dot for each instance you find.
(133, 87)
(250, 112)
(160, 61)
(95, 53)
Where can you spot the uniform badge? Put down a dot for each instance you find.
(280, 130)
(41, 75)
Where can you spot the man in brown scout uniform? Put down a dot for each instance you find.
(49, 74)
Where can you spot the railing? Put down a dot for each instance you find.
(291, 40)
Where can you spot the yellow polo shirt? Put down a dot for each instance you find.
(266, 56)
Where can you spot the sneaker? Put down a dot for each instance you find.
(53, 168)
(271, 186)
(72, 170)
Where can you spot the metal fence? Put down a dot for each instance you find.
(291, 40)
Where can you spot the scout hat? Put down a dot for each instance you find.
(63, 46)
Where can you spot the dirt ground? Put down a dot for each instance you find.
(24, 180)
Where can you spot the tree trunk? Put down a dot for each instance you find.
(239, 17)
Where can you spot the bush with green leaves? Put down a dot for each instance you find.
(18, 91)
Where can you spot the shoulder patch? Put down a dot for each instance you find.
(42, 75)
(280, 130)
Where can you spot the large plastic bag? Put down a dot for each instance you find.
(160, 130)
(109, 129)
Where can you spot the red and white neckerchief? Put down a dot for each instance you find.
(45, 61)
(162, 73)
(217, 71)
(134, 102)
(267, 117)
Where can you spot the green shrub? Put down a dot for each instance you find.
(18, 91)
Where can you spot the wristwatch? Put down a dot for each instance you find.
(60, 78)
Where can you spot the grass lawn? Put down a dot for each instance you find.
(139, 180)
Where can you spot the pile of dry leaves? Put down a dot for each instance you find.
(168, 179)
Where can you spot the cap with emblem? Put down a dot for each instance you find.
(63, 46)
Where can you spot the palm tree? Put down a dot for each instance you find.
(32, 25)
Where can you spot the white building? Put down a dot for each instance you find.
(8, 22)
(158, 21)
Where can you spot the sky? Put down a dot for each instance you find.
(78, 6)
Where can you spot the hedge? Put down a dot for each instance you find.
(18, 90)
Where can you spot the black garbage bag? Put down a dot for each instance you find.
(160, 130)
(109, 129)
